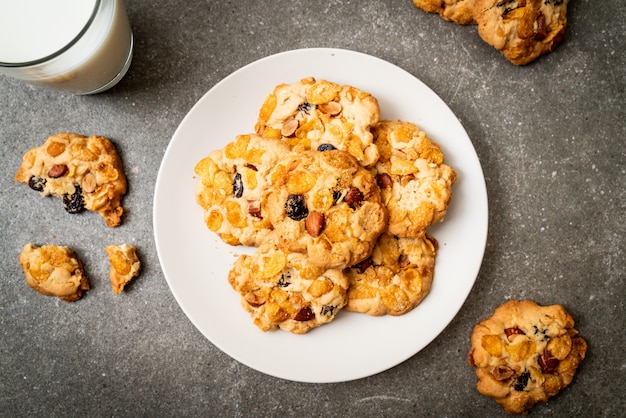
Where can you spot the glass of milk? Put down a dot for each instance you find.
(76, 46)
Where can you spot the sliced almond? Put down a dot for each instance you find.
(330, 108)
(88, 183)
(289, 128)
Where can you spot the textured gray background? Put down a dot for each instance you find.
(550, 138)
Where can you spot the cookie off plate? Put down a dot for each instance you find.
(196, 262)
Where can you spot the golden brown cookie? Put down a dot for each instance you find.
(395, 278)
(85, 172)
(458, 11)
(317, 113)
(525, 353)
(522, 30)
(54, 271)
(416, 185)
(326, 205)
(125, 265)
(284, 290)
(233, 186)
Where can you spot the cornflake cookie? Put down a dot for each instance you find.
(85, 172)
(125, 265)
(522, 30)
(326, 205)
(54, 271)
(416, 186)
(232, 188)
(525, 353)
(310, 114)
(284, 290)
(395, 279)
(458, 11)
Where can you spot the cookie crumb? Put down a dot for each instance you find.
(125, 265)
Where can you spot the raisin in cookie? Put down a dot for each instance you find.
(458, 11)
(54, 271)
(525, 353)
(310, 114)
(86, 172)
(284, 290)
(125, 265)
(416, 186)
(395, 278)
(522, 30)
(232, 188)
(326, 205)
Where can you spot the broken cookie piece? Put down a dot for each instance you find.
(54, 271)
(85, 172)
(125, 265)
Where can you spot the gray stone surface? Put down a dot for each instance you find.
(550, 138)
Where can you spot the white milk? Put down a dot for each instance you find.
(79, 46)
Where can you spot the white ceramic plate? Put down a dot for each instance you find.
(196, 263)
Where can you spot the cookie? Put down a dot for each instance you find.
(284, 290)
(458, 11)
(395, 278)
(416, 185)
(326, 205)
(522, 30)
(85, 172)
(310, 114)
(125, 265)
(525, 353)
(232, 188)
(54, 271)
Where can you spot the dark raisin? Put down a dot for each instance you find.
(295, 207)
(305, 107)
(36, 183)
(251, 167)
(237, 185)
(336, 196)
(326, 147)
(73, 203)
(284, 280)
(328, 310)
(522, 381)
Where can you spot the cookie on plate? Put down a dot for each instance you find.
(458, 11)
(85, 172)
(525, 353)
(232, 188)
(395, 278)
(54, 271)
(416, 185)
(317, 113)
(326, 205)
(125, 265)
(284, 290)
(522, 30)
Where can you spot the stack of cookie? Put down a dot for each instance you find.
(337, 201)
(522, 30)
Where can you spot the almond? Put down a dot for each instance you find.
(315, 224)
